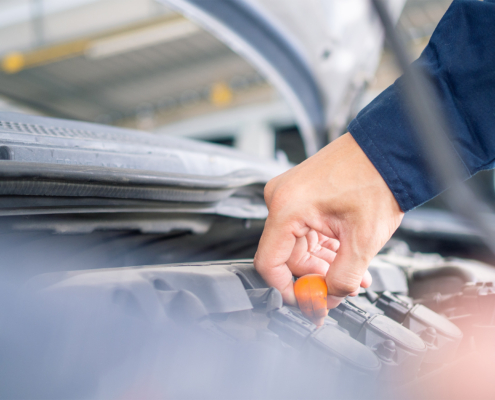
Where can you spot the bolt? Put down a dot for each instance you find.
(429, 335)
(386, 350)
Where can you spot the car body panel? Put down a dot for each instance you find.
(319, 67)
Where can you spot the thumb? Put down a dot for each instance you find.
(346, 273)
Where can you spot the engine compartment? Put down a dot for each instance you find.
(215, 330)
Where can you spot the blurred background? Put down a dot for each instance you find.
(138, 64)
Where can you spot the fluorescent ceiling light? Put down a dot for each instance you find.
(137, 39)
(16, 11)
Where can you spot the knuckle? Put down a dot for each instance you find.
(269, 190)
(281, 197)
(259, 263)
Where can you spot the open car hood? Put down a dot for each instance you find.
(56, 166)
(319, 54)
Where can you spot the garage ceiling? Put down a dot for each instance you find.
(153, 68)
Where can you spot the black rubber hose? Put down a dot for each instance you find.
(442, 272)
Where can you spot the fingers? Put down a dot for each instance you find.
(366, 281)
(322, 246)
(309, 257)
(349, 269)
(325, 255)
(333, 301)
(276, 261)
(330, 243)
(275, 248)
(302, 262)
(282, 254)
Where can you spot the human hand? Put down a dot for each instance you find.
(329, 215)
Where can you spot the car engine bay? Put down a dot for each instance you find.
(127, 257)
(109, 293)
(215, 330)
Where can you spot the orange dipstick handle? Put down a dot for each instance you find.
(311, 294)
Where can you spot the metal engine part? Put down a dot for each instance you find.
(187, 320)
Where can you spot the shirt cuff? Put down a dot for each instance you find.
(384, 133)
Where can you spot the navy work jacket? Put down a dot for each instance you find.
(460, 61)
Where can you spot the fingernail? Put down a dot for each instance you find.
(316, 249)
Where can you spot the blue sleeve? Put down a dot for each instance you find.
(460, 62)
